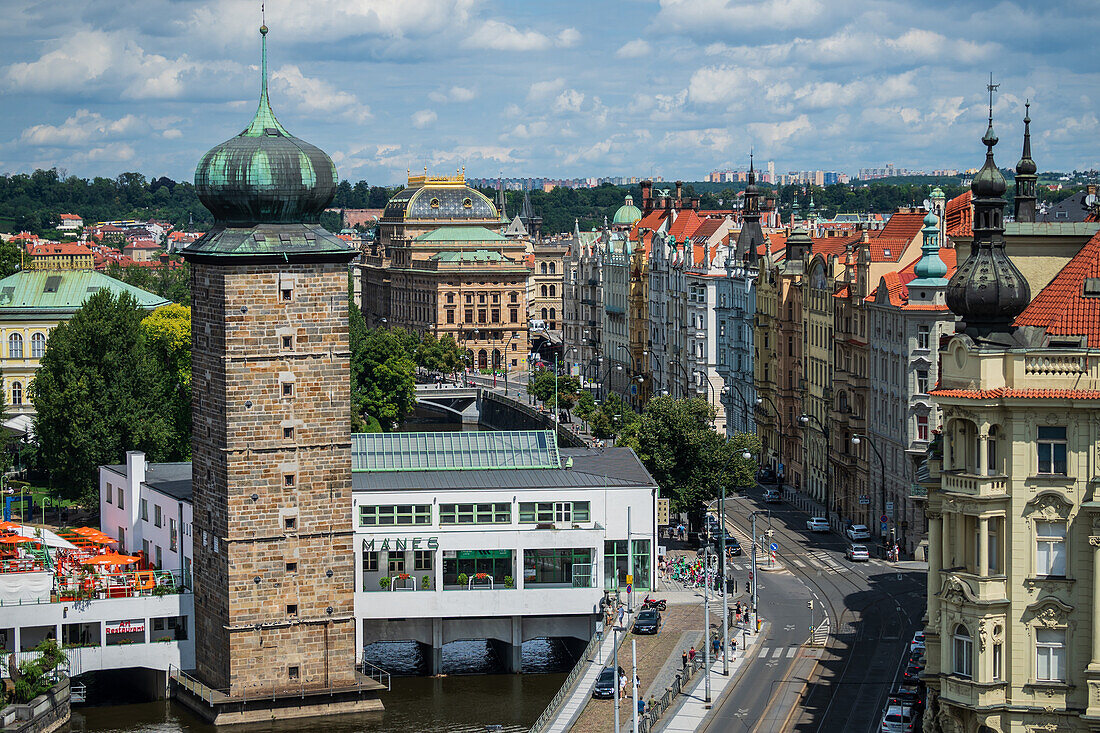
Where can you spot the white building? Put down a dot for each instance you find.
(147, 507)
(476, 535)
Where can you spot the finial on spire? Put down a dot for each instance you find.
(1027, 111)
(992, 88)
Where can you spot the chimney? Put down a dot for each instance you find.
(135, 476)
(695, 203)
(647, 196)
(679, 193)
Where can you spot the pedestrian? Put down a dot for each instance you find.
(641, 706)
(652, 703)
(684, 658)
(691, 654)
(717, 645)
(681, 531)
(622, 683)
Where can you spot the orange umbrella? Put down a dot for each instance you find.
(111, 558)
(16, 539)
(9, 525)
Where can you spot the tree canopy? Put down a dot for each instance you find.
(688, 459)
(542, 388)
(382, 368)
(171, 284)
(103, 389)
(168, 333)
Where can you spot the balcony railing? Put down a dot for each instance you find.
(974, 485)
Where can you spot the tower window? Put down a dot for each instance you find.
(292, 672)
(292, 610)
(288, 433)
(286, 292)
(288, 480)
(292, 567)
(288, 342)
(288, 389)
(290, 523)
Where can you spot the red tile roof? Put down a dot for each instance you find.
(833, 246)
(65, 248)
(899, 287)
(1032, 394)
(1062, 308)
(891, 241)
(958, 216)
(687, 221)
(707, 228)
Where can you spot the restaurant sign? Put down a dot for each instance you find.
(126, 627)
(401, 544)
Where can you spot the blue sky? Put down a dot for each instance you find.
(550, 88)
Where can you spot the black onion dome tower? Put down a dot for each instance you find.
(1026, 178)
(987, 291)
(751, 236)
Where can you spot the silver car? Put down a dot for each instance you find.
(858, 553)
(858, 532)
(817, 524)
(897, 719)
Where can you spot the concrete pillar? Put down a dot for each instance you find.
(983, 547)
(935, 562)
(983, 455)
(516, 652)
(946, 557)
(435, 657)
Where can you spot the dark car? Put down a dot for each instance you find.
(912, 672)
(731, 544)
(605, 684)
(909, 695)
(648, 622)
(766, 476)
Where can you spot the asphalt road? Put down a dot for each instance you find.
(873, 610)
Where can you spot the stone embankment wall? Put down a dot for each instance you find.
(44, 714)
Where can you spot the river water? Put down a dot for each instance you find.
(470, 696)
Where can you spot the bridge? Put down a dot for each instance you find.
(465, 402)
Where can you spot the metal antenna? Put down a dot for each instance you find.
(992, 88)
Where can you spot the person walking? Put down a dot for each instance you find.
(691, 654)
(717, 646)
(684, 658)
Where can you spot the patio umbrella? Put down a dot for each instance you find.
(9, 525)
(111, 558)
(16, 539)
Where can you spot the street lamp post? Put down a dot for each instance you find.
(683, 371)
(706, 619)
(805, 419)
(779, 448)
(856, 438)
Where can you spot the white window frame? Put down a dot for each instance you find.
(1050, 654)
(962, 653)
(1050, 549)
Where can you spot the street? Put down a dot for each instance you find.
(873, 610)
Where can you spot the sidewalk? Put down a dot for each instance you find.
(694, 709)
(582, 693)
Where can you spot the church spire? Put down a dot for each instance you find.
(265, 117)
(1026, 178)
(751, 235)
(987, 291)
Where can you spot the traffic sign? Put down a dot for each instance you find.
(884, 527)
(629, 588)
(884, 519)
(889, 507)
(774, 546)
(864, 499)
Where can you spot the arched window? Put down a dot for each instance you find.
(16, 393)
(963, 652)
(553, 313)
(15, 346)
(553, 291)
(542, 268)
(482, 359)
(553, 269)
(38, 345)
(542, 290)
(543, 314)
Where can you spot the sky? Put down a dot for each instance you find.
(550, 88)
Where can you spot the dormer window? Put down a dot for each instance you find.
(434, 203)
(467, 203)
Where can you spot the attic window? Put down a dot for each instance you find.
(52, 283)
(434, 203)
(1091, 287)
(886, 253)
(467, 203)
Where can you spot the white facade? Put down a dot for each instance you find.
(144, 517)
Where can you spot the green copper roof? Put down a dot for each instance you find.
(496, 450)
(478, 255)
(62, 292)
(461, 234)
(271, 241)
(628, 213)
(265, 174)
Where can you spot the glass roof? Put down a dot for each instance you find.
(454, 451)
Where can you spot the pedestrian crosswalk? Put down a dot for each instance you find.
(817, 560)
(778, 652)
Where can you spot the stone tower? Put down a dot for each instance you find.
(1026, 178)
(271, 440)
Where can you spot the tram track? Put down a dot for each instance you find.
(867, 626)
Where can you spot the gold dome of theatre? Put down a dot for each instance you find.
(440, 198)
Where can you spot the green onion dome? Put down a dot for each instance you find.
(265, 174)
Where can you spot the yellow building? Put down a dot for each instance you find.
(32, 303)
(1013, 629)
(59, 256)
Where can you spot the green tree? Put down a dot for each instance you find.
(382, 367)
(542, 388)
(688, 459)
(10, 258)
(99, 392)
(32, 677)
(168, 333)
(613, 418)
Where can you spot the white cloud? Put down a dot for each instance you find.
(570, 100)
(717, 17)
(454, 94)
(497, 35)
(82, 128)
(542, 91)
(172, 134)
(316, 95)
(770, 134)
(424, 118)
(569, 37)
(635, 49)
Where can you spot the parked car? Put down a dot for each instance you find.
(918, 641)
(766, 476)
(773, 496)
(605, 684)
(912, 672)
(858, 532)
(897, 719)
(648, 622)
(817, 524)
(858, 553)
(731, 543)
(908, 695)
